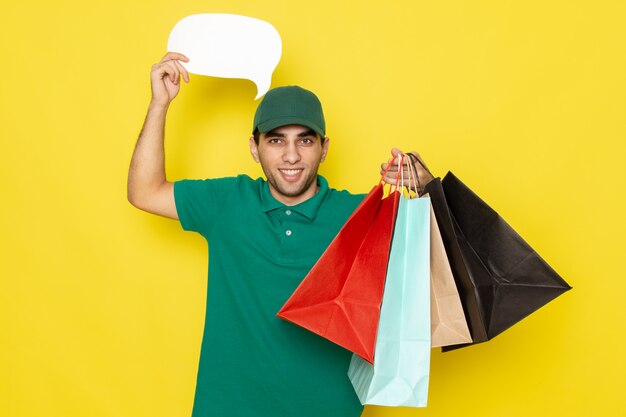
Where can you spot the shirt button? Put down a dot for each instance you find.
(288, 212)
(288, 232)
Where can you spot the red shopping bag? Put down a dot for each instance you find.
(340, 297)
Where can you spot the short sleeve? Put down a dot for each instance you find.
(199, 201)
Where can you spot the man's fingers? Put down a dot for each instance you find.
(412, 175)
(182, 71)
(167, 67)
(174, 56)
(393, 167)
(170, 70)
(174, 67)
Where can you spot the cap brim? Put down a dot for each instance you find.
(272, 124)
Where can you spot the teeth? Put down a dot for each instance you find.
(291, 172)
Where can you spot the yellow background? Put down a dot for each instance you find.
(101, 305)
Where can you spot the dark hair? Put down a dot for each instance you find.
(257, 135)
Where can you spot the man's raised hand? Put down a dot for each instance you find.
(165, 78)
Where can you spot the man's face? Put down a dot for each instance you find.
(290, 156)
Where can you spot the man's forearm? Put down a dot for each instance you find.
(147, 167)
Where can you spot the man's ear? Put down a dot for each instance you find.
(325, 146)
(254, 150)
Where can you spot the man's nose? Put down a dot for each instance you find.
(291, 154)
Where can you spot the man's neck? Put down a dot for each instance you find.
(294, 200)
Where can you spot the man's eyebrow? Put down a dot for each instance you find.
(282, 135)
(272, 133)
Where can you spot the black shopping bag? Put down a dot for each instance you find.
(509, 279)
(462, 274)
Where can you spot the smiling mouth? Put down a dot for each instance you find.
(291, 174)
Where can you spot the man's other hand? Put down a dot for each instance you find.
(407, 179)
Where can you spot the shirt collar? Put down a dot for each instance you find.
(307, 208)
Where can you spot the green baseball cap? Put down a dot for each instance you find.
(289, 105)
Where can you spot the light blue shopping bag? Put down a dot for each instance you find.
(399, 376)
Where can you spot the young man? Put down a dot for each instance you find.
(263, 236)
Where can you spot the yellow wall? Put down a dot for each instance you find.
(101, 305)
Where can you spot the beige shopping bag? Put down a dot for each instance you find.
(448, 324)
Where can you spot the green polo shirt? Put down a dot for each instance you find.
(253, 364)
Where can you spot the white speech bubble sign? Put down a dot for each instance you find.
(228, 46)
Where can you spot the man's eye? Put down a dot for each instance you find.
(274, 140)
(307, 141)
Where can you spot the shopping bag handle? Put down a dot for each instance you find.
(417, 159)
(413, 178)
(400, 163)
